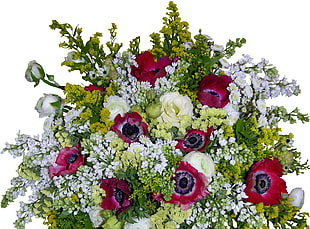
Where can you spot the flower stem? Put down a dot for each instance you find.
(53, 84)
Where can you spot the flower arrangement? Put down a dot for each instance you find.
(170, 137)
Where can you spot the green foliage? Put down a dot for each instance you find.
(65, 220)
(246, 132)
(87, 57)
(292, 117)
(134, 46)
(232, 45)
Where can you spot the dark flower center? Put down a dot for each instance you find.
(194, 141)
(262, 183)
(184, 183)
(130, 131)
(155, 70)
(119, 195)
(213, 93)
(72, 158)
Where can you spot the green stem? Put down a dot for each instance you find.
(53, 84)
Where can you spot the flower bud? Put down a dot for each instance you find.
(150, 95)
(73, 58)
(297, 195)
(202, 162)
(136, 108)
(48, 105)
(34, 72)
(153, 110)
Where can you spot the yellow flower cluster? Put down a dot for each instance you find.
(161, 130)
(64, 137)
(77, 95)
(175, 33)
(93, 110)
(51, 219)
(168, 215)
(281, 214)
(128, 159)
(97, 194)
(210, 117)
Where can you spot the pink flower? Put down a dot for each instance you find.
(68, 161)
(117, 195)
(190, 186)
(195, 140)
(264, 183)
(149, 70)
(213, 91)
(93, 88)
(130, 127)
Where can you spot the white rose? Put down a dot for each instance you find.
(174, 107)
(202, 162)
(95, 216)
(116, 105)
(48, 105)
(144, 223)
(297, 195)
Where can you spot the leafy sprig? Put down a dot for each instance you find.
(88, 57)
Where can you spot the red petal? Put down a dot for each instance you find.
(145, 61)
(55, 170)
(65, 153)
(162, 62)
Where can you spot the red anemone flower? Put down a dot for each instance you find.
(149, 70)
(93, 88)
(68, 161)
(213, 91)
(130, 127)
(264, 183)
(117, 195)
(195, 140)
(190, 186)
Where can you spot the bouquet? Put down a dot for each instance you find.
(170, 137)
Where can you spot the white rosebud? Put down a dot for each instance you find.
(144, 223)
(174, 107)
(48, 105)
(297, 195)
(34, 72)
(202, 162)
(116, 105)
(95, 216)
(71, 57)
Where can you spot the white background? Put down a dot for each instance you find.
(276, 30)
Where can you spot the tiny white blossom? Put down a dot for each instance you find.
(218, 48)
